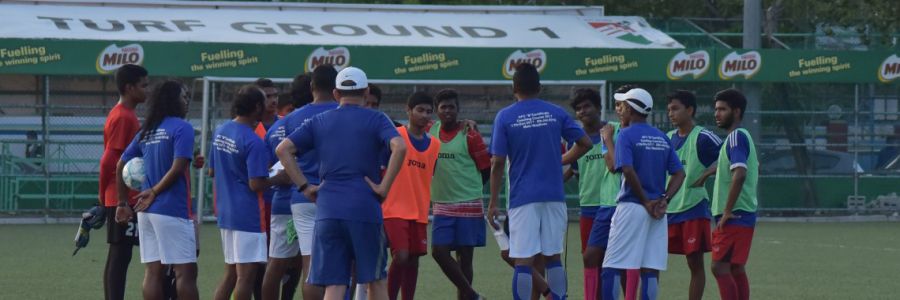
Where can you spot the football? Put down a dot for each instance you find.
(133, 173)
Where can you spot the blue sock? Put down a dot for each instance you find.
(521, 284)
(556, 279)
(649, 285)
(612, 283)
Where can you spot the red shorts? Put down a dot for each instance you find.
(689, 237)
(731, 244)
(585, 224)
(407, 235)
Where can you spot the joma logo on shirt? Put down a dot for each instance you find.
(446, 155)
(594, 156)
(415, 163)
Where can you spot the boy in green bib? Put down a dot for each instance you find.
(688, 212)
(734, 198)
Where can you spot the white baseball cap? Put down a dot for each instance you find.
(637, 98)
(351, 78)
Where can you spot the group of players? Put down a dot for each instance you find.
(326, 190)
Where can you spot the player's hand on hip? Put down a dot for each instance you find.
(492, 215)
(724, 219)
(699, 183)
(144, 199)
(311, 192)
(379, 189)
(123, 214)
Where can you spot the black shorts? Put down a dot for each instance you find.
(120, 233)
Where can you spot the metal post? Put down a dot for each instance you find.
(604, 108)
(45, 123)
(856, 139)
(752, 40)
(204, 136)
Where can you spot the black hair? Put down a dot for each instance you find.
(445, 95)
(248, 100)
(264, 83)
(734, 98)
(527, 80)
(374, 90)
(285, 100)
(625, 88)
(685, 97)
(586, 94)
(418, 98)
(165, 101)
(301, 92)
(129, 74)
(352, 93)
(323, 78)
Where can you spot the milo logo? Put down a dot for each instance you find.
(734, 64)
(114, 57)
(338, 57)
(535, 57)
(889, 69)
(683, 64)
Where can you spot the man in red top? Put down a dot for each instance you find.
(120, 128)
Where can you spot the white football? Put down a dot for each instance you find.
(133, 173)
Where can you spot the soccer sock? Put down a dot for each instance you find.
(521, 283)
(632, 277)
(727, 287)
(590, 283)
(649, 285)
(612, 280)
(395, 279)
(556, 279)
(114, 276)
(410, 277)
(743, 285)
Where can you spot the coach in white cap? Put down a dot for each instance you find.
(349, 228)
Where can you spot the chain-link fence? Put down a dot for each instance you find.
(824, 149)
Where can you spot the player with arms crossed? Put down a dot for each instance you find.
(529, 133)
(734, 198)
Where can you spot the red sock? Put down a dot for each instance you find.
(728, 289)
(590, 283)
(410, 277)
(395, 279)
(632, 278)
(743, 285)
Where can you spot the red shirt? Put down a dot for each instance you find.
(120, 128)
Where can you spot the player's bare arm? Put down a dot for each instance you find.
(568, 174)
(146, 197)
(123, 211)
(582, 146)
(710, 171)
(675, 182)
(498, 164)
(398, 152)
(737, 184)
(610, 157)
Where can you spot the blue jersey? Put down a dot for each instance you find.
(529, 133)
(348, 141)
(236, 156)
(738, 151)
(285, 195)
(650, 153)
(174, 138)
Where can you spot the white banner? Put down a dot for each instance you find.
(256, 26)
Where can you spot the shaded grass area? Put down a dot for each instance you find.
(788, 261)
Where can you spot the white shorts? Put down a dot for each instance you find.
(537, 228)
(279, 247)
(242, 247)
(166, 239)
(305, 223)
(636, 240)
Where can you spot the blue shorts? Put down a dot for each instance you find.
(457, 231)
(600, 230)
(338, 244)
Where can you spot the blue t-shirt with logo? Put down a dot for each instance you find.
(174, 138)
(529, 133)
(236, 156)
(650, 153)
(285, 195)
(348, 141)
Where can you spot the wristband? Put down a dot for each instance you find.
(303, 187)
